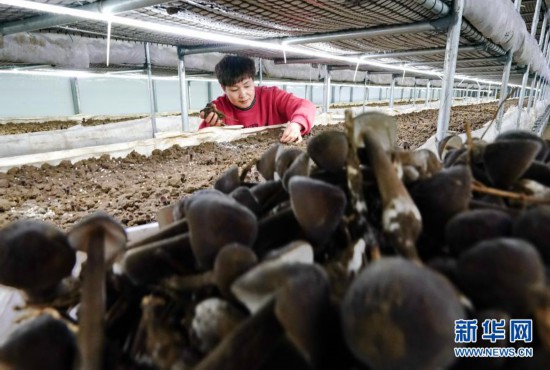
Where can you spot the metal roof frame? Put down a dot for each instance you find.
(385, 35)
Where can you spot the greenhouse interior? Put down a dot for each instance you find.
(147, 145)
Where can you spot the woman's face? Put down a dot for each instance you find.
(241, 94)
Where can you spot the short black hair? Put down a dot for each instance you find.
(233, 69)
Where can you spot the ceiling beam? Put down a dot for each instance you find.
(53, 20)
(437, 25)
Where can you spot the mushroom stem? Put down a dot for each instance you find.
(91, 322)
(151, 262)
(355, 187)
(270, 235)
(190, 282)
(401, 218)
(175, 228)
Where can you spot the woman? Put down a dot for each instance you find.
(251, 106)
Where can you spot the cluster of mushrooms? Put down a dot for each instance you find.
(352, 255)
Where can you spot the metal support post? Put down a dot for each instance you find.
(151, 90)
(326, 90)
(75, 92)
(449, 67)
(427, 101)
(392, 91)
(184, 101)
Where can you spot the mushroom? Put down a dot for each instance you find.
(415, 165)
(266, 163)
(152, 262)
(539, 172)
(231, 262)
(377, 310)
(523, 135)
(214, 319)
(298, 308)
(175, 228)
(318, 207)
(300, 167)
(448, 144)
(467, 228)
(533, 225)
(507, 160)
(383, 126)
(102, 239)
(284, 159)
(329, 150)
(259, 284)
(269, 231)
(244, 196)
(215, 221)
(34, 257)
(439, 198)
(40, 343)
(182, 204)
(298, 250)
(500, 273)
(228, 181)
(401, 220)
(269, 194)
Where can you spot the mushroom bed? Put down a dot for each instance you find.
(134, 188)
(343, 252)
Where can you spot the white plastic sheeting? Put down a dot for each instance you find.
(499, 21)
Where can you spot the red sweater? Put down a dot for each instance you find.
(272, 106)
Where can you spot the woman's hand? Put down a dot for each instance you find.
(292, 133)
(211, 117)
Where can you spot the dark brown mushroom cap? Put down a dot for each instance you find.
(231, 262)
(216, 221)
(525, 135)
(507, 160)
(300, 167)
(442, 196)
(99, 223)
(228, 181)
(318, 207)
(533, 225)
(34, 255)
(266, 163)
(398, 315)
(269, 193)
(383, 126)
(284, 159)
(302, 307)
(187, 201)
(40, 343)
(539, 172)
(244, 196)
(257, 286)
(329, 150)
(452, 156)
(499, 273)
(470, 227)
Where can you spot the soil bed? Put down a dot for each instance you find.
(132, 189)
